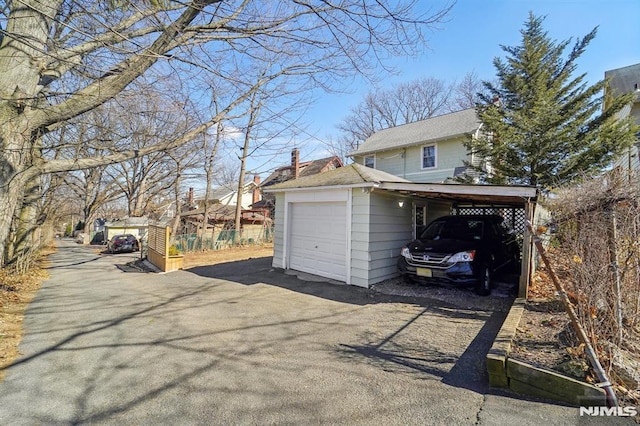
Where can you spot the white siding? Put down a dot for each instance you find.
(278, 232)
(360, 237)
(379, 229)
(390, 228)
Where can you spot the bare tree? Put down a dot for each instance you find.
(60, 59)
(406, 103)
(465, 94)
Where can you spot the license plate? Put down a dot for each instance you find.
(424, 272)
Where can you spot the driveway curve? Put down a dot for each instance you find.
(243, 343)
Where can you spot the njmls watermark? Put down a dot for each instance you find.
(599, 411)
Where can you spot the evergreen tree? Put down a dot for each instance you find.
(541, 125)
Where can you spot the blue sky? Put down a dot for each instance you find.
(471, 39)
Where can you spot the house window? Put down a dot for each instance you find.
(370, 161)
(428, 157)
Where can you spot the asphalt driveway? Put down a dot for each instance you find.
(242, 343)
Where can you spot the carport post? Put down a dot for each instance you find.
(527, 251)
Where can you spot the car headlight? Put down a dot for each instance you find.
(405, 252)
(463, 256)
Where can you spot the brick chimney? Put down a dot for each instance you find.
(295, 162)
(190, 197)
(256, 190)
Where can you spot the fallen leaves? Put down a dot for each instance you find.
(16, 292)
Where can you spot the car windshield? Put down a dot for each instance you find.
(466, 230)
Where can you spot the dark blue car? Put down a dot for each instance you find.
(465, 250)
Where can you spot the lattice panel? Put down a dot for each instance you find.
(514, 217)
(157, 238)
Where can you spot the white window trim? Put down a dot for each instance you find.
(364, 160)
(435, 156)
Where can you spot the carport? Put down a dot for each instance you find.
(516, 204)
(349, 224)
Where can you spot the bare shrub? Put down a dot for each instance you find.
(599, 245)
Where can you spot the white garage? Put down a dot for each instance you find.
(350, 223)
(324, 225)
(318, 238)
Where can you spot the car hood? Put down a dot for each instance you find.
(441, 246)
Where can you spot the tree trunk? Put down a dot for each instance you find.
(10, 195)
(26, 222)
(21, 61)
(19, 77)
(253, 116)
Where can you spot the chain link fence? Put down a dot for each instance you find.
(223, 238)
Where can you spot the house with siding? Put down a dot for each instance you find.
(622, 81)
(430, 150)
(349, 224)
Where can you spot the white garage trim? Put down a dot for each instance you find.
(319, 198)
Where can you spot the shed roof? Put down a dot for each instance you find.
(430, 130)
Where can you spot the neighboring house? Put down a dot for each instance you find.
(349, 224)
(295, 170)
(221, 220)
(430, 150)
(229, 196)
(622, 81)
(138, 226)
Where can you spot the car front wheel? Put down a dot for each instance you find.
(484, 285)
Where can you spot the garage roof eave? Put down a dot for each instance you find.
(515, 195)
(324, 187)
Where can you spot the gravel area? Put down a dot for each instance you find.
(501, 297)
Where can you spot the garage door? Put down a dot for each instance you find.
(318, 239)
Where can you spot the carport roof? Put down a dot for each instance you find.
(356, 175)
(473, 194)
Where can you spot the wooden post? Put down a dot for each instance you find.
(526, 269)
(167, 234)
(612, 236)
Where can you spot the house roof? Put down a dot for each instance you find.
(222, 213)
(430, 130)
(215, 210)
(307, 168)
(223, 191)
(351, 175)
(623, 80)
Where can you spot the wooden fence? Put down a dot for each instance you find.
(158, 245)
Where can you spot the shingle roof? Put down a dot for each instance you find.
(307, 168)
(351, 175)
(430, 130)
(624, 80)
